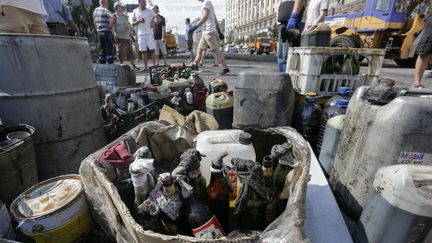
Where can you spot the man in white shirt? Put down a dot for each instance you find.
(22, 16)
(316, 12)
(145, 19)
(210, 35)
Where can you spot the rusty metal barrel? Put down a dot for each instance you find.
(48, 82)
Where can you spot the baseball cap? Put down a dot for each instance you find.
(116, 4)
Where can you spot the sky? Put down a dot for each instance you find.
(176, 11)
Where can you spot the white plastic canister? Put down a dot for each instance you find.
(237, 143)
(401, 208)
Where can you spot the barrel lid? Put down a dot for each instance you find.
(408, 187)
(47, 197)
(245, 138)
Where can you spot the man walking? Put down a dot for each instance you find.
(160, 35)
(145, 19)
(189, 39)
(22, 16)
(210, 35)
(104, 21)
(122, 35)
(58, 15)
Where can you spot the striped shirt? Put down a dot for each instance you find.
(102, 18)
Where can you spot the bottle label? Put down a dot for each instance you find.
(210, 230)
(233, 195)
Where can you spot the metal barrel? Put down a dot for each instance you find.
(17, 163)
(48, 82)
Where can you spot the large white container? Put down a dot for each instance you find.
(374, 136)
(212, 143)
(401, 208)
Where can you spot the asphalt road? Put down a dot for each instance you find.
(246, 62)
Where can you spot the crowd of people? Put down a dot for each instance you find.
(148, 29)
(116, 32)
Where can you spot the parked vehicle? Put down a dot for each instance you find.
(388, 24)
(230, 48)
(261, 45)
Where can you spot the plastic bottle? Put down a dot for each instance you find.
(308, 120)
(339, 108)
(218, 191)
(343, 93)
(203, 223)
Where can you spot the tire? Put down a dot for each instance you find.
(406, 63)
(344, 41)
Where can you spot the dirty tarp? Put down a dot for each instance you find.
(110, 212)
(196, 121)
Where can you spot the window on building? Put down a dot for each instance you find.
(383, 5)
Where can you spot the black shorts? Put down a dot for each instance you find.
(425, 43)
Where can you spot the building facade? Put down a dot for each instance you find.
(249, 17)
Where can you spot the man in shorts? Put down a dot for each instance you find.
(189, 39)
(210, 35)
(145, 19)
(159, 35)
(22, 17)
(122, 35)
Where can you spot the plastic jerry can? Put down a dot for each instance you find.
(237, 143)
(332, 133)
(377, 134)
(221, 106)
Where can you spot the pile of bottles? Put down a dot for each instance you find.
(310, 118)
(243, 196)
(348, 64)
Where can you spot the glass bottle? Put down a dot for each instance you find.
(218, 191)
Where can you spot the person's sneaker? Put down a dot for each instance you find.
(224, 71)
(215, 65)
(192, 64)
(428, 74)
(136, 68)
(417, 86)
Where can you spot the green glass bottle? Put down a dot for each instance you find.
(285, 164)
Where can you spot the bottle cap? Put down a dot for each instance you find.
(344, 90)
(310, 94)
(218, 162)
(267, 161)
(245, 138)
(342, 103)
(308, 99)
